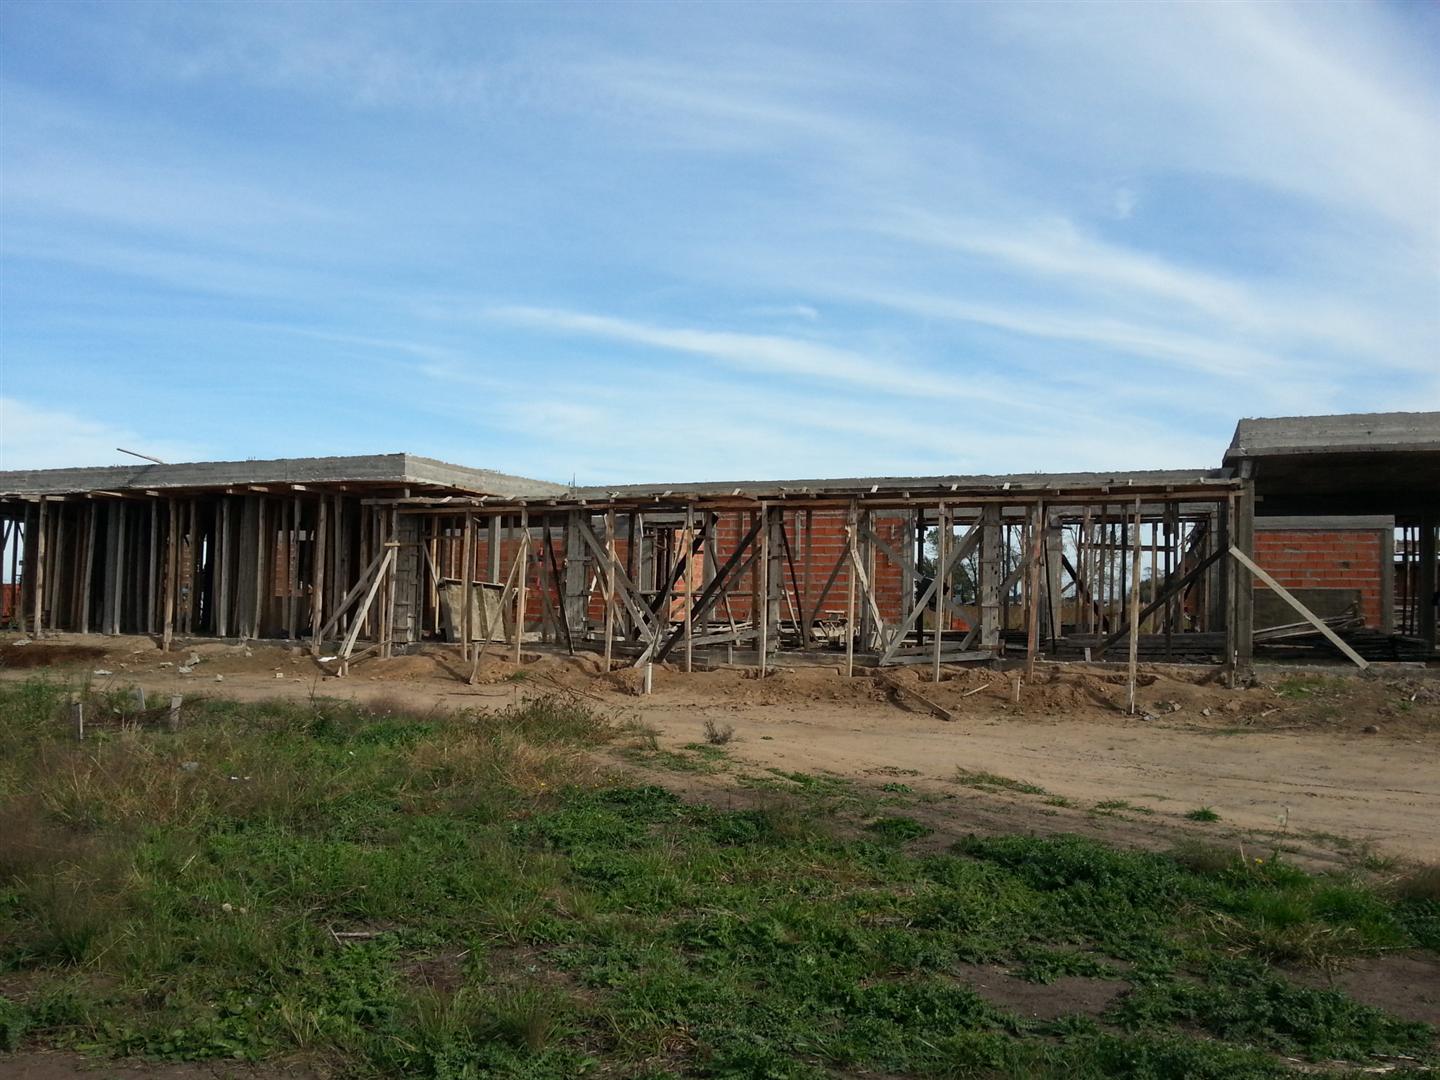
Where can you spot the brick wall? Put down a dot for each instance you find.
(821, 532)
(1326, 559)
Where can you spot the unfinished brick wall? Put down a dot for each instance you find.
(1327, 559)
(817, 541)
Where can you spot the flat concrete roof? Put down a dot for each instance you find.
(1151, 478)
(1350, 433)
(370, 470)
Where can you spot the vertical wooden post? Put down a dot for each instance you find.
(1134, 613)
(57, 582)
(1035, 545)
(171, 564)
(467, 584)
(317, 584)
(942, 555)
(87, 575)
(1245, 582)
(153, 590)
(392, 540)
(524, 579)
(609, 585)
(38, 574)
(851, 519)
(262, 542)
(688, 575)
(1425, 592)
(991, 576)
(761, 597)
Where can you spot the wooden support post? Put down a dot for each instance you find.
(38, 573)
(57, 581)
(262, 542)
(467, 583)
(171, 567)
(1134, 615)
(609, 586)
(318, 560)
(1244, 586)
(942, 564)
(523, 558)
(990, 576)
(1034, 559)
(152, 593)
(851, 526)
(1425, 590)
(359, 621)
(760, 600)
(576, 596)
(88, 575)
(689, 597)
(1304, 612)
(1054, 585)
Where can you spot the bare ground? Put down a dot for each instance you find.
(1325, 762)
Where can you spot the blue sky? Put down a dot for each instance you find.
(661, 242)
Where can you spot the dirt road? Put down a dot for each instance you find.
(1323, 759)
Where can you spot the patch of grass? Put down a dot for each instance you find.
(1202, 813)
(991, 782)
(1110, 806)
(601, 928)
(899, 828)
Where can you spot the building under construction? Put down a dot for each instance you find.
(1313, 536)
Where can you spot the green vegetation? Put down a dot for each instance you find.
(1202, 813)
(988, 781)
(467, 895)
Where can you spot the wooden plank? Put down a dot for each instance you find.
(607, 558)
(563, 615)
(343, 606)
(714, 590)
(87, 576)
(317, 563)
(1305, 613)
(386, 558)
(467, 578)
(1134, 614)
(171, 565)
(522, 588)
(689, 612)
(908, 692)
(942, 567)
(962, 551)
(850, 525)
(1168, 589)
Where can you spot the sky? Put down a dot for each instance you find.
(647, 242)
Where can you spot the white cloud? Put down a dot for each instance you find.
(35, 437)
(767, 354)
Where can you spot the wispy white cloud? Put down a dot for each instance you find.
(36, 437)
(763, 354)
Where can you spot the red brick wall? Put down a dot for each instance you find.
(1340, 559)
(826, 543)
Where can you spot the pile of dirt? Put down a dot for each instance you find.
(23, 653)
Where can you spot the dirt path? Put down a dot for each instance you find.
(1293, 758)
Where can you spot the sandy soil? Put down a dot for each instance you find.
(1324, 759)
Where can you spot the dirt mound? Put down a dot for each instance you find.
(405, 667)
(39, 654)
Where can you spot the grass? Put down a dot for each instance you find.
(988, 781)
(468, 895)
(1202, 813)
